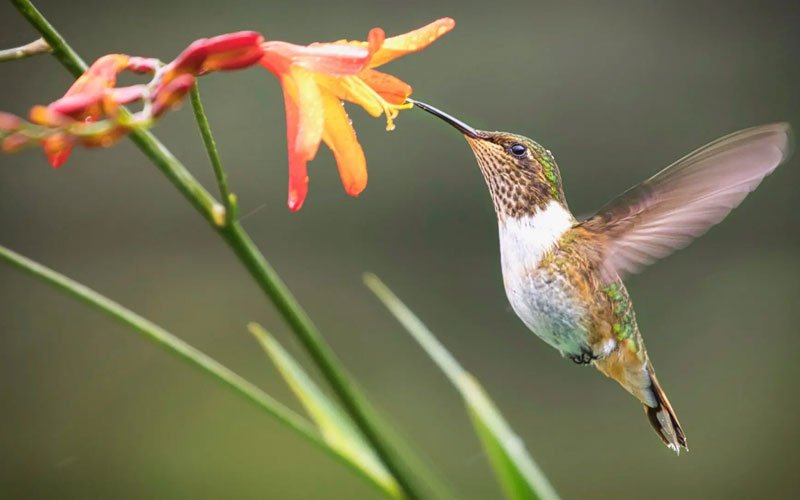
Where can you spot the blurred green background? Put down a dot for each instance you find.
(616, 90)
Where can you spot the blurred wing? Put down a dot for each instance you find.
(683, 201)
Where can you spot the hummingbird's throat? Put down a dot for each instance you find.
(516, 191)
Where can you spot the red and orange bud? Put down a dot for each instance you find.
(88, 114)
(9, 122)
(57, 148)
(104, 138)
(143, 64)
(126, 95)
(171, 94)
(114, 98)
(48, 117)
(101, 75)
(315, 79)
(78, 105)
(233, 51)
(225, 52)
(15, 142)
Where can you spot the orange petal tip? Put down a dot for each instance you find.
(413, 41)
(355, 190)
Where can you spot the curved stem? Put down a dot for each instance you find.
(61, 50)
(35, 48)
(344, 387)
(228, 199)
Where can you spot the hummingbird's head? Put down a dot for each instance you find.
(522, 176)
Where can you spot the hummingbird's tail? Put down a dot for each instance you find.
(662, 417)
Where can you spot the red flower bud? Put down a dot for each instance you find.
(224, 52)
(9, 122)
(76, 105)
(57, 148)
(47, 116)
(171, 94)
(15, 142)
(143, 64)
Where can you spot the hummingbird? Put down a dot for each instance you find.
(563, 275)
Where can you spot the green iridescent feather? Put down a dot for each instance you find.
(625, 327)
(549, 168)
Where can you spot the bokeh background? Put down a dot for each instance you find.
(617, 90)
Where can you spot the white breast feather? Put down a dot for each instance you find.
(525, 240)
(543, 302)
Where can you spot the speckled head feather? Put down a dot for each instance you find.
(522, 176)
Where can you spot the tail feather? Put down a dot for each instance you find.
(663, 419)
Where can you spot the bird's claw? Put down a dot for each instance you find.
(584, 358)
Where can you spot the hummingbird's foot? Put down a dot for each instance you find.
(584, 358)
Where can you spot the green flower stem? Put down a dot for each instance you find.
(228, 199)
(61, 50)
(350, 396)
(173, 344)
(36, 47)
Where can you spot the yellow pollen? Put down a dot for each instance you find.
(389, 110)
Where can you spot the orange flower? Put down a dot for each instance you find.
(318, 77)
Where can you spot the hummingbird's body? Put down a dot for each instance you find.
(557, 292)
(563, 276)
(554, 283)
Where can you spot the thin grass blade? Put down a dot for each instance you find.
(516, 471)
(337, 429)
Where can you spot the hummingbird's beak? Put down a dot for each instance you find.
(461, 126)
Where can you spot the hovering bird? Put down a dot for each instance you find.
(563, 276)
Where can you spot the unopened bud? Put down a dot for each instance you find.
(218, 214)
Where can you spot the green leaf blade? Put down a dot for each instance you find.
(337, 429)
(518, 474)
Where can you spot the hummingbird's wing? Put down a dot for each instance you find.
(667, 211)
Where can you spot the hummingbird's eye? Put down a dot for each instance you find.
(518, 150)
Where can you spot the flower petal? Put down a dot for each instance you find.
(102, 74)
(57, 148)
(311, 118)
(143, 64)
(341, 138)
(328, 58)
(391, 88)
(298, 172)
(77, 104)
(354, 90)
(375, 40)
(126, 95)
(412, 41)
